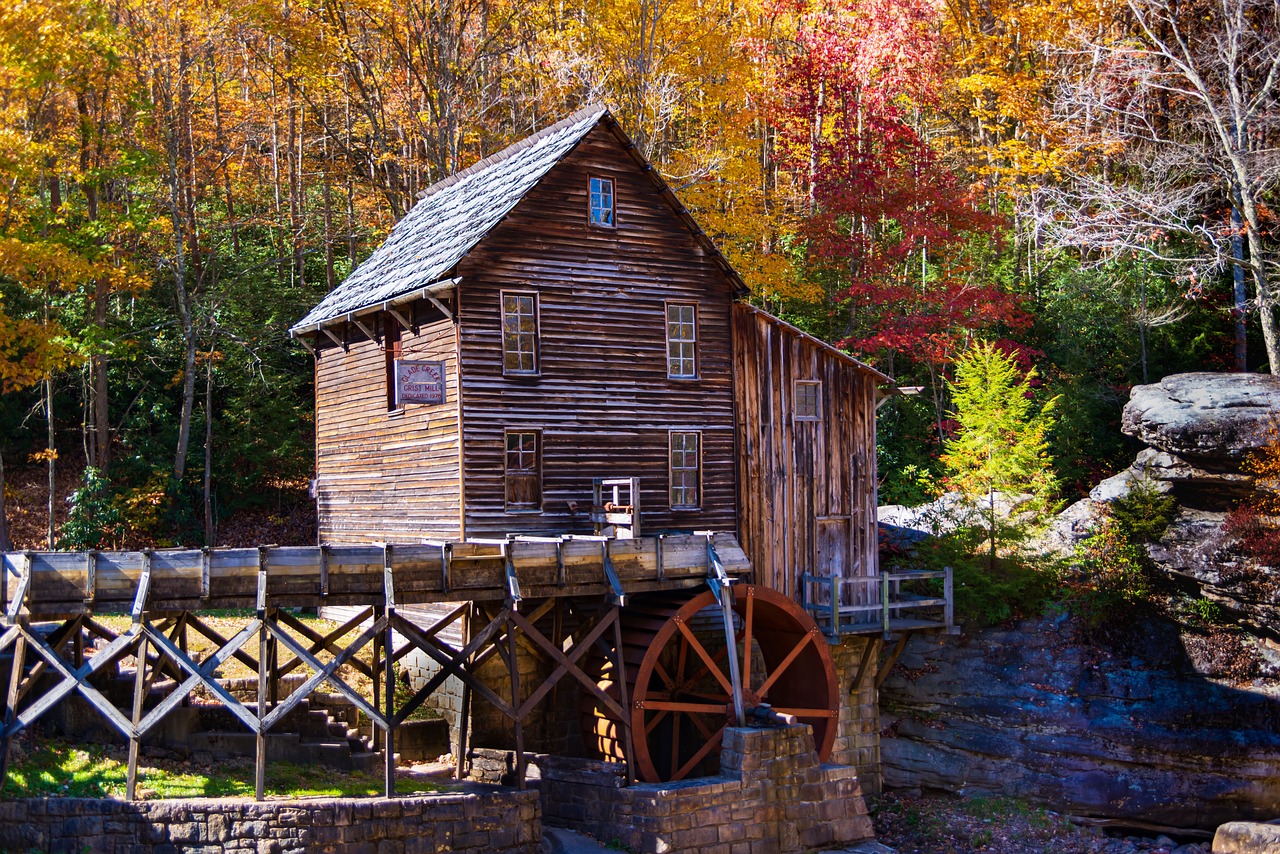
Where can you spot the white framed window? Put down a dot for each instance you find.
(601, 202)
(523, 470)
(682, 340)
(808, 400)
(519, 333)
(685, 459)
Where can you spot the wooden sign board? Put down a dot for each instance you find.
(419, 382)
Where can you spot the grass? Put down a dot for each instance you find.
(56, 768)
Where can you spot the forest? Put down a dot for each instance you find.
(1085, 187)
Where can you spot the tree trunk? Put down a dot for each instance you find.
(51, 457)
(1262, 284)
(208, 450)
(6, 544)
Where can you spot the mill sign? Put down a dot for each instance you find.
(419, 382)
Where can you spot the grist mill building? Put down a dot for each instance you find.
(576, 323)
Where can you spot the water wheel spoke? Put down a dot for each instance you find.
(675, 741)
(687, 708)
(786, 662)
(702, 728)
(808, 713)
(664, 676)
(654, 721)
(712, 742)
(706, 657)
(746, 638)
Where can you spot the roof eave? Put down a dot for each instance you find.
(433, 289)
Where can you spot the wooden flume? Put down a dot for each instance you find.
(503, 589)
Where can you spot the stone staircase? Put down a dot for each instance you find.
(324, 729)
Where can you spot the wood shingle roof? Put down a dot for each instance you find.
(451, 218)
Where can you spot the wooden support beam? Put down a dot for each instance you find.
(894, 654)
(464, 712)
(442, 307)
(11, 702)
(517, 721)
(260, 733)
(869, 654)
(389, 671)
(322, 643)
(139, 695)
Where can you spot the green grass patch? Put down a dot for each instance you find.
(58, 768)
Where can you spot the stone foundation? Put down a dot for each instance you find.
(489, 822)
(771, 797)
(858, 736)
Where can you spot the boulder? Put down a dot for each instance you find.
(1243, 837)
(1204, 417)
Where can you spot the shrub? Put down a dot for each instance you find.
(1116, 574)
(1142, 515)
(96, 520)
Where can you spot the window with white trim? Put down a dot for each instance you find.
(682, 340)
(686, 470)
(519, 333)
(601, 204)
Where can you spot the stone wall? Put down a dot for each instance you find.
(858, 737)
(492, 822)
(771, 797)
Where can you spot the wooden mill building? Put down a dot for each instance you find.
(553, 315)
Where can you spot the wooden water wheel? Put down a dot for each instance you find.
(679, 684)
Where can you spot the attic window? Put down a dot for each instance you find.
(602, 202)
(519, 333)
(808, 400)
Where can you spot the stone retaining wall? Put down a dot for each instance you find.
(858, 735)
(771, 797)
(488, 822)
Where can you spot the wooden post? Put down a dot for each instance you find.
(948, 593)
(375, 734)
(464, 712)
(260, 753)
(139, 695)
(389, 674)
(11, 702)
(620, 665)
(513, 667)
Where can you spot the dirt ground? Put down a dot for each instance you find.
(941, 824)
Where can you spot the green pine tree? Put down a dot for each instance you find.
(1002, 444)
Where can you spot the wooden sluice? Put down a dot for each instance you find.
(556, 597)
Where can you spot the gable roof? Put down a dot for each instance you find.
(458, 212)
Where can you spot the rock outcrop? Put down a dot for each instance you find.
(1204, 416)
(1032, 712)
(1201, 427)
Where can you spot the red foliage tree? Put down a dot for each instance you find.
(887, 226)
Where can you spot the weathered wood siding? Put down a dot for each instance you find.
(385, 476)
(807, 488)
(602, 399)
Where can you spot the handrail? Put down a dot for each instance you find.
(891, 600)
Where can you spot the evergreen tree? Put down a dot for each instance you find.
(1001, 444)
